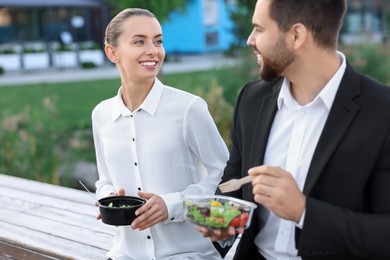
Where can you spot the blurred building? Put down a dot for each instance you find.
(205, 26)
(366, 22)
(45, 20)
(32, 26)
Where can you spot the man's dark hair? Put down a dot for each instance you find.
(322, 17)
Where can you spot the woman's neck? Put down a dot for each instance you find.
(134, 93)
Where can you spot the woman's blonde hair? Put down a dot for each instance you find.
(114, 28)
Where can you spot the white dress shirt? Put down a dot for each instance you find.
(170, 146)
(294, 136)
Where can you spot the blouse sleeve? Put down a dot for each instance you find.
(104, 185)
(203, 139)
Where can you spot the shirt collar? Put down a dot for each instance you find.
(327, 94)
(149, 105)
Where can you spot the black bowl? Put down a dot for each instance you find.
(119, 210)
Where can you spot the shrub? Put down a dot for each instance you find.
(33, 50)
(247, 69)
(219, 108)
(7, 51)
(87, 65)
(1, 70)
(90, 46)
(29, 146)
(370, 59)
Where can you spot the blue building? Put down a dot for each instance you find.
(205, 26)
(29, 27)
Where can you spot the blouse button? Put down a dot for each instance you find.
(148, 237)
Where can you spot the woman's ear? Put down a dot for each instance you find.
(111, 53)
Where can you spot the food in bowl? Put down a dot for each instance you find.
(119, 210)
(218, 212)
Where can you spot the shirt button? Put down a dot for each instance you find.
(148, 237)
(139, 188)
(133, 139)
(172, 219)
(131, 115)
(135, 164)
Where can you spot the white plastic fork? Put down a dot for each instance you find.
(234, 184)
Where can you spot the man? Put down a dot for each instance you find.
(315, 136)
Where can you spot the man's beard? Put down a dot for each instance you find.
(277, 60)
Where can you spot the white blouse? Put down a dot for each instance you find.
(170, 146)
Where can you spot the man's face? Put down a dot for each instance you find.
(269, 43)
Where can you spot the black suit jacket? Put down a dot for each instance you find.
(348, 182)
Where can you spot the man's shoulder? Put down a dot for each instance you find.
(260, 88)
(262, 85)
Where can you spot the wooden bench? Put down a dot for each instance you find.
(45, 221)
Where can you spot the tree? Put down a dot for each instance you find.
(161, 8)
(241, 16)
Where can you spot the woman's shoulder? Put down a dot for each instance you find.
(104, 107)
(180, 95)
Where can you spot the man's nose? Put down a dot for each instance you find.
(250, 39)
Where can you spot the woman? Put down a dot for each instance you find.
(155, 142)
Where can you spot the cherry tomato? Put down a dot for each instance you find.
(239, 221)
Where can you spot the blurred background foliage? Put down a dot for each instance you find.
(46, 128)
(161, 9)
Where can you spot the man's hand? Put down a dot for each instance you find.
(219, 234)
(154, 211)
(277, 190)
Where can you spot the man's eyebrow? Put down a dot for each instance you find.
(257, 25)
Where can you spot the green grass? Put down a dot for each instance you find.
(74, 101)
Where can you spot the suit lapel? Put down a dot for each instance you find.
(342, 113)
(264, 122)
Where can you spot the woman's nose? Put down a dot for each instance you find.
(152, 50)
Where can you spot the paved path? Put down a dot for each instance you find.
(54, 75)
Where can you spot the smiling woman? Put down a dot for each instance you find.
(150, 140)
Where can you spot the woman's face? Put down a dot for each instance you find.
(140, 52)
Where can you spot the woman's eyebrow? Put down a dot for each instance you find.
(144, 36)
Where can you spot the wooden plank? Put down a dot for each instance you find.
(49, 190)
(44, 221)
(57, 229)
(50, 201)
(11, 251)
(66, 216)
(36, 241)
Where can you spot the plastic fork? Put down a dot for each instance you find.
(234, 184)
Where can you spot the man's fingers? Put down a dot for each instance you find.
(267, 170)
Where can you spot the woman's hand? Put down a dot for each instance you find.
(153, 212)
(219, 234)
(121, 192)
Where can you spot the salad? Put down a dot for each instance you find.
(217, 214)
